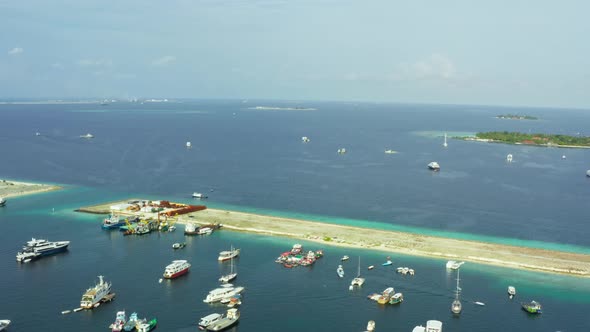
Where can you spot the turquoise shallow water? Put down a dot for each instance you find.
(255, 162)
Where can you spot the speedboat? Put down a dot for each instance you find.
(390, 151)
(178, 245)
(511, 291)
(388, 262)
(2, 201)
(305, 139)
(340, 271)
(199, 195)
(434, 166)
(344, 258)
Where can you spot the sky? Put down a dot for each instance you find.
(514, 53)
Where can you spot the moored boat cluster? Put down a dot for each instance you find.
(297, 257)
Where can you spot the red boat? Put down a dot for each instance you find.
(176, 269)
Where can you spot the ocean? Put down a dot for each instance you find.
(254, 160)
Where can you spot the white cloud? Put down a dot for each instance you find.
(16, 51)
(164, 61)
(94, 63)
(436, 66)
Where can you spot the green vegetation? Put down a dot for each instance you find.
(535, 139)
(516, 117)
(327, 239)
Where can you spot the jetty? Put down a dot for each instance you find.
(508, 256)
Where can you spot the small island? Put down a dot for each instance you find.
(516, 117)
(548, 140)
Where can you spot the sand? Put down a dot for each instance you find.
(389, 241)
(10, 188)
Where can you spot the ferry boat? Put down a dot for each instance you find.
(191, 229)
(221, 293)
(119, 323)
(2, 201)
(131, 322)
(208, 320)
(4, 324)
(37, 248)
(532, 307)
(434, 166)
(176, 269)
(94, 295)
(146, 327)
(229, 320)
(228, 254)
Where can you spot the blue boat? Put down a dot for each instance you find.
(113, 221)
(389, 262)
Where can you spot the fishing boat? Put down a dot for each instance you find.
(37, 248)
(131, 322)
(396, 298)
(358, 281)
(119, 323)
(147, 326)
(386, 295)
(340, 271)
(94, 295)
(434, 166)
(511, 291)
(532, 307)
(229, 320)
(112, 222)
(232, 275)
(176, 269)
(344, 258)
(178, 245)
(456, 305)
(228, 254)
(4, 324)
(208, 320)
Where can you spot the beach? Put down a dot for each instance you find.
(10, 188)
(392, 242)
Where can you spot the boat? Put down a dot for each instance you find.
(454, 265)
(344, 258)
(188, 145)
(340, 271)
(588, 173)
(204, 230)
(370, 267)
(305, 139)
(131, 322)
(231, 276)
(456, 305)
(388, 262)
(396, 298)
(434, 326)
(199, 195)
(434, 166)
(388, 151)
(120, 321)
(297, 249)
(479, 303)
(511, 291)
(532, 307)
(176, 269)
(341, 151)
(229, 320)
(147, 326)
(113, 221)
(208, 320)
(235, 301)
(2, 201)
(358, 281)
(228, 254)
(445, 142)
(37, 248)
(191, 229)
(221, 293)
(94, 295)
(509, 158)
(89, 135)
(178, 245)
(385, 295)
(4, 324)
(371, 326)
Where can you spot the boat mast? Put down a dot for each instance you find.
(445, 143)
(359, 268)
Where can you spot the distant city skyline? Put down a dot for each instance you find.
(524, 53)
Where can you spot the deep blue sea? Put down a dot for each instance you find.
(254, 160)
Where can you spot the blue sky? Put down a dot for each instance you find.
(499, 52)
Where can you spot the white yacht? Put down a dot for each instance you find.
(511, 291)
(340, 271)
(358, 281)
(2, 201)
(228, 254)
(221, 293)
(93, 295)
(509, 158)
(199, 195)
(454, 265)
(4, 324)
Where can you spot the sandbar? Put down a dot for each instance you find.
(536, 259)
(10, 188)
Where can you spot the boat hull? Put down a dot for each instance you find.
(177, 274)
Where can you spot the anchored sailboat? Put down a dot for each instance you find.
(358, 281)
(232, 275)
(456, 305)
